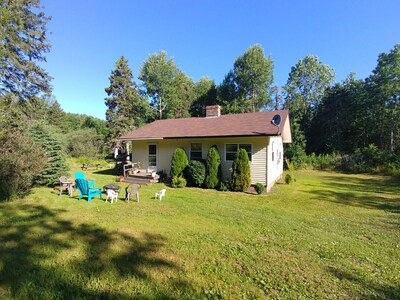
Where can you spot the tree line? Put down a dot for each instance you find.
(326, 117)
(356, 116)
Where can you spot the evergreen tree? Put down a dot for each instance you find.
(56, 161)
(55, 115)
(241, 178)
(23, 46)
(179, 162)
(213, 169)
(126, 108)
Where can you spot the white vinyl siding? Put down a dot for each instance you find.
(231, 150)
(165, 149)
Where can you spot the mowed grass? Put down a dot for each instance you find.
(326, 236)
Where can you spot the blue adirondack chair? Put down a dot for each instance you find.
(83, 186)
(81, 175)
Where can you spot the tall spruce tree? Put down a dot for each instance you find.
(23, 44)
(126, 108)
(56, 160)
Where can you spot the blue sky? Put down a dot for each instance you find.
(206, 36)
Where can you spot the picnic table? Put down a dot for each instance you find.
(91, 166)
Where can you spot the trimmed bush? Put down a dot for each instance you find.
(259, 188)
(179, 162)
(241, 171)
(288, 179)
(213, 169)
(195, 173)
(178, 182)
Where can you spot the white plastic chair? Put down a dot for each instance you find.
(160, 194)
(112, 195)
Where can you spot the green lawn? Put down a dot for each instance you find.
(328, 235)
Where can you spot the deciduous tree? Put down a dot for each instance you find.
(205, 93)
(247, 88)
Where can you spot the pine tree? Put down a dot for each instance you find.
(23, 44)
(56, 162)
(126, 108)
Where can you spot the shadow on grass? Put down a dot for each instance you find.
(34, 238)
(113, 172)
(377, 291)
(376, 193)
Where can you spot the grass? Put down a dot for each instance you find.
(326, 236)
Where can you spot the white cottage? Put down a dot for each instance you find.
(262, 134)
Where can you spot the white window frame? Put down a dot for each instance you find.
(190, 151)
(237, 147)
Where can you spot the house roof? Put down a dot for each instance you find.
(233, 125)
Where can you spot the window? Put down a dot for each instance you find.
(152, 156)
(231, 149)
(196, 151)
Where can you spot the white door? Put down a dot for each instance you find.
(152, 158)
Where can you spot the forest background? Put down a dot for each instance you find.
(352, 125)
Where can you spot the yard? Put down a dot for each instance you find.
(328, 235)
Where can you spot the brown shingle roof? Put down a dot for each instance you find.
(247, 124)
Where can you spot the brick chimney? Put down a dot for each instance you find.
(213, 111)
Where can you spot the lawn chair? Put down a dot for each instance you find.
(132, 189)
(83, 186)
(160, 194)
(112, 195)
(81, 175)
(65, 184)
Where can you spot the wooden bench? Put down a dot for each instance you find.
(91, 166)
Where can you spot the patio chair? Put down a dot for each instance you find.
(65, 184)
(160, 194)
(112, 195)
(81, 175)
(132, 189)
(83, 186)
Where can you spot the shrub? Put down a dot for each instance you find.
(259, 188)
(225, 186)
(213, 169)
(179, 162)
(195, 173)
(17, 172)
(84, 142)
(178, 182)
(288, 179)
(241, 171)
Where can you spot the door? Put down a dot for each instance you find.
(152, 158)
